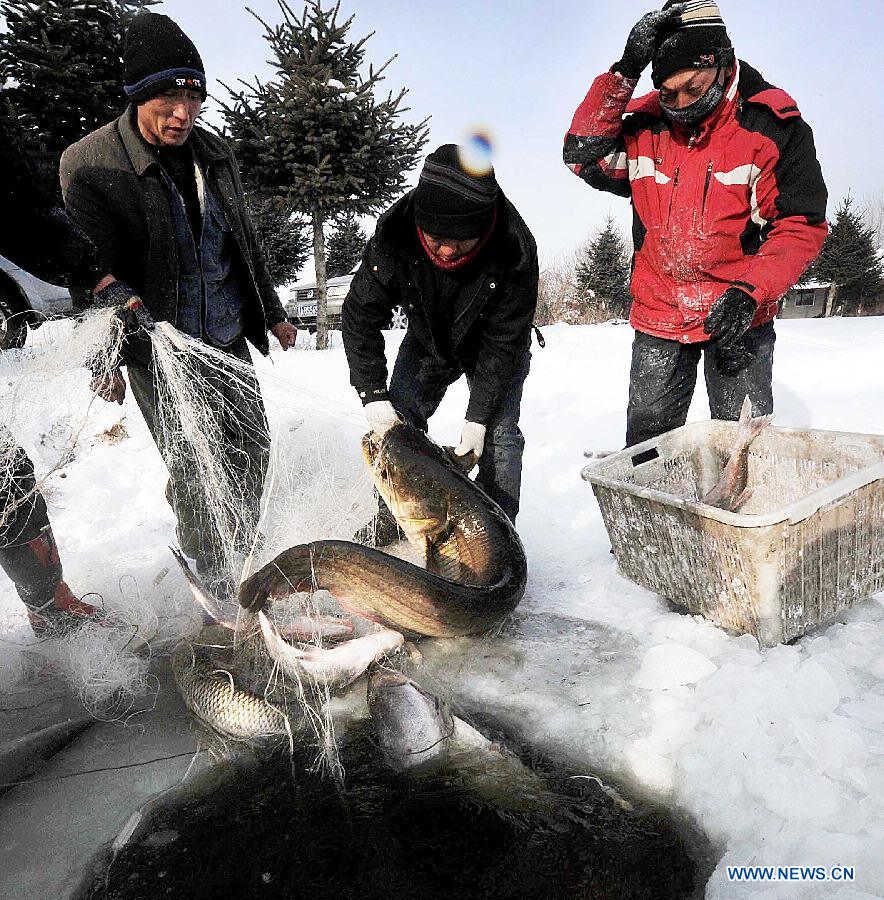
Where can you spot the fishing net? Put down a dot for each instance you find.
(248, 486)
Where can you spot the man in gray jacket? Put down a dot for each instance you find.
(163, 202)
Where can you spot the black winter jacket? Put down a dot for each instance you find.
(491, 318)
(113, 189)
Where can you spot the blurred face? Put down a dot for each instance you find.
(685, 86)
(449, 249)
(168, 118)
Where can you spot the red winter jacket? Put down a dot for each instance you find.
(741, 202)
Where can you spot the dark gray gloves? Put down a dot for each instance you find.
(727, 323)
(642, 40)
(130, 308)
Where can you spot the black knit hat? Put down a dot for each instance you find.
(696, 39)
(450, 201)
(159, 56)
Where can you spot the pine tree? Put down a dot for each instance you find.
(61, 70)
(316, 134)
(602, 272)
(345, 246)
(849, 259)
(281, 235)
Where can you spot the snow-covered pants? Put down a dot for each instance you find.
(417, 387)
(664, 373)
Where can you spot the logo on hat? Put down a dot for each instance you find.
(707, 59)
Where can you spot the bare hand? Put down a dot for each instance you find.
(110, 386)
(286, 334)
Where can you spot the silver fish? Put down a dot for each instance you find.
(337, 666)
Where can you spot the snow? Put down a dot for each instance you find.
(776, 754)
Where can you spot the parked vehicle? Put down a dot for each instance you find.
(26, 300)
(301, 305)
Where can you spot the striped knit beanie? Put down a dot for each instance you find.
(158, 57)
(696, 39)
(451, 202)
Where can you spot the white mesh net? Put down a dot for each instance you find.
(113, 526)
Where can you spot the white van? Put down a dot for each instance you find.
(301, 305)
(26, 300)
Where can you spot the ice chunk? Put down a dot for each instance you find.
(668, 665)
(798, 795)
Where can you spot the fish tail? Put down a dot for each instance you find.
(751, 427)
(290, 572)
(199, 590)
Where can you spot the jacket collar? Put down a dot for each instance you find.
(206, 147)
(724, 111)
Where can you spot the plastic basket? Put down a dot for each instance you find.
(807, 544)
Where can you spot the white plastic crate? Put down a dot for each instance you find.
(807, 544)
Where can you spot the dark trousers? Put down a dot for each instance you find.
(23, 518)
(244, 450)
(417, 387)
(664, 373)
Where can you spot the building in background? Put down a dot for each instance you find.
(808, 300)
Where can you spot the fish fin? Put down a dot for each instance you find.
(465, 463)
(442, 556)
(746, 411)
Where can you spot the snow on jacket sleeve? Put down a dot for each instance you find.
(789, 205)
(505, 337)
(594, 147)
(366, 312)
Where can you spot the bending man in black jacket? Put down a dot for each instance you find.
(455, 254)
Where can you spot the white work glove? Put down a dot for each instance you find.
(472, 437)
(380, 415)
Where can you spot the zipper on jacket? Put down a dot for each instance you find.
(466, 308)
(706, 190)
(672, 194)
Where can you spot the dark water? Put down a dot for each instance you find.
(261, 833)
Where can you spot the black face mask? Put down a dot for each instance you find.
(694, 113)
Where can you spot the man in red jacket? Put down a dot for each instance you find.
(728, 205)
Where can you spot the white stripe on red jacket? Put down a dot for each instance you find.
(741, 202)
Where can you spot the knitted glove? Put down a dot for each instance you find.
(730, 317)
(380, 415)
(642, 40)
(472, 438)
(130, 307)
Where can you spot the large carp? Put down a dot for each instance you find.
(476, 568)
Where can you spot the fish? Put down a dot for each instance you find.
(413, 729)
(338, 667)
(24, 756)
(731, 492)
(210, 693)
(312, 629)
(418, 736)
(476, 570)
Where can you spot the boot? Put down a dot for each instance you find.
(35, 569)
(381, 530)
(62, 614)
